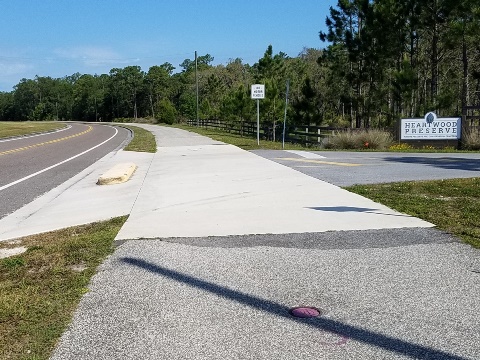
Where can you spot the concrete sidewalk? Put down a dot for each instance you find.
(221, 243)
(219, 190)
(194, 187)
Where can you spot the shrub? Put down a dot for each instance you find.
(341, 140)
(166, 112)
(375, 139)
(471, 140)
(362, 139)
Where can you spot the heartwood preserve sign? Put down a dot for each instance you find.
(431, 128)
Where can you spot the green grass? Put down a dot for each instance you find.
(40, 289)
(246, 143)
(17, 128)
(452, 205)
(143, 140)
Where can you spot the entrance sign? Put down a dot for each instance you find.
(431, 128)
(258, 91)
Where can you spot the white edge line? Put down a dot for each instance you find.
(58, 164)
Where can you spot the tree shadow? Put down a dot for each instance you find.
(449, 163)
(335, 327)
(354, 209)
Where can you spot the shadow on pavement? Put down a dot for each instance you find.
(354, 209)
(343, 330)
(451, 163)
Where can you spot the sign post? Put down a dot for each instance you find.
(258, 92)
(285, 117)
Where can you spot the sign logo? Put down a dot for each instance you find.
(430, 117)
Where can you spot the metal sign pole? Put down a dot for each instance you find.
(258, 122)
(196, 84)
(285, 117)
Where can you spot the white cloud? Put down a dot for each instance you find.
(9, 68)
(93, 56)
(11, 71)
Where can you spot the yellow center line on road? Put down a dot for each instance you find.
(46, 142)
(320, 162)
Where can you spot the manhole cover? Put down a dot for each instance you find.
(305, 312)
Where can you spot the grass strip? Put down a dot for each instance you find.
(246, 143)
(17, 128)
(143, 140)
(41, 288)
(452, 205)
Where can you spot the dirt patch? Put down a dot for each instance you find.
(5, 253)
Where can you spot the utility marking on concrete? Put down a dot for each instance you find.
(318, 162)
(304, 312)
(57, 164)
(46, 142)
(342, 340)
(306, 154)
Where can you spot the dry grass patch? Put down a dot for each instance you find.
(471, 140)
(360, 139)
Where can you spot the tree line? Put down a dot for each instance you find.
(382, 60)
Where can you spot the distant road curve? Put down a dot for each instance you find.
(33, 165)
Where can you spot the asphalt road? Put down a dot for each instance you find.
(350, 168)
(32, 165)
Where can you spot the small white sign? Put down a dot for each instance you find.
(258, 91)
(431, 128)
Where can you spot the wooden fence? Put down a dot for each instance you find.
(314, 135)
(303, 134)
(471, 118)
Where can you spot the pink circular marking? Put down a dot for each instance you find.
(305, 312)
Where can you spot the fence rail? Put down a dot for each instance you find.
(311, 134)
(304, 134)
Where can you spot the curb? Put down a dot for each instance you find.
(120, 173)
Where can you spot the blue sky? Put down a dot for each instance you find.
(61, 37)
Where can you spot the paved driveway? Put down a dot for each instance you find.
(350, 168)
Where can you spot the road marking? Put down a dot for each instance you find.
(45, 143)
(35, 135)
(57, 164)
(306, 154)
(318, 162)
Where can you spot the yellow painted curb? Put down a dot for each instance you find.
(118, 174)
